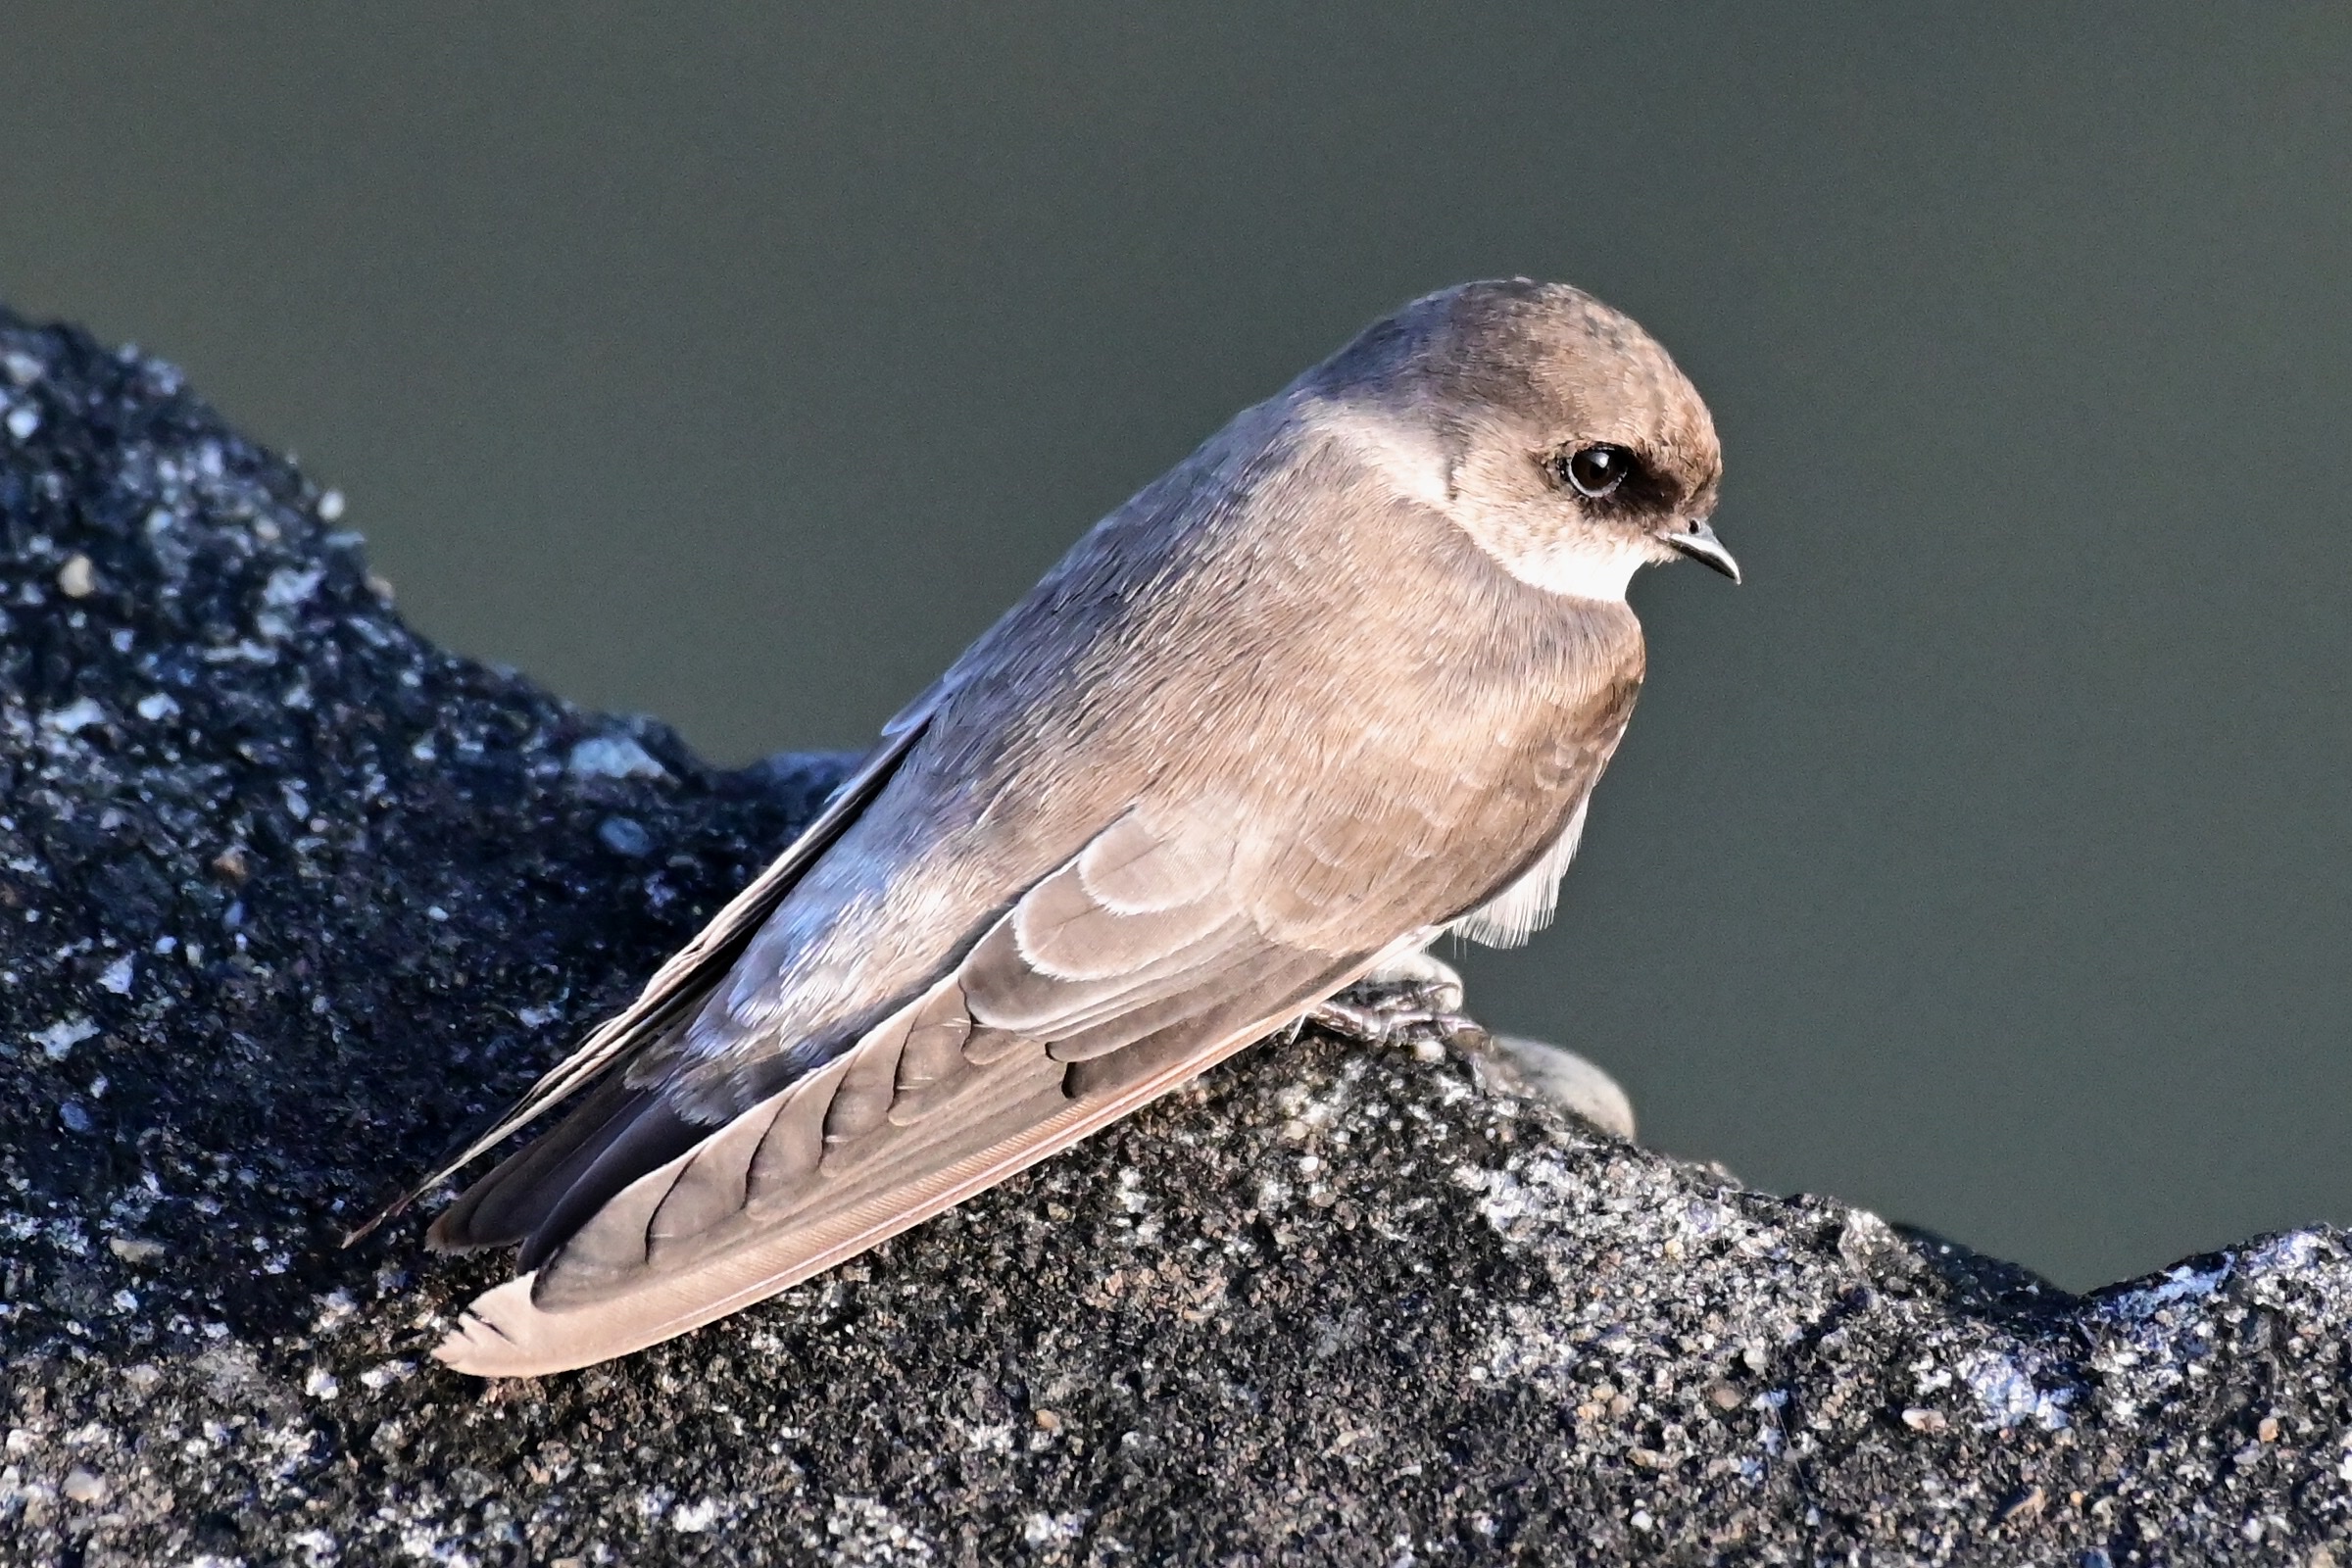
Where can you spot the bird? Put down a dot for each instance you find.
(1338, 683)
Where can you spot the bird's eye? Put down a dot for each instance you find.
(1598, 470)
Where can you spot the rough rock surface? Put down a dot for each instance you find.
(288, 898)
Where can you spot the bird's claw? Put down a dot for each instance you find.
(1382, 1013)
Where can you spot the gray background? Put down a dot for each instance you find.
(1983, 860)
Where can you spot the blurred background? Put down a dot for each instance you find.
(1985, 859)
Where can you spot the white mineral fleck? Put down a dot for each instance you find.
(117, 975)
(1044, 1529)
(62, 1037)
(288, 587)
(75, 718)
(614, 757)
(385, 1374)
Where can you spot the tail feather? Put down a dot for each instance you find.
(504, 1206)
(690, 973)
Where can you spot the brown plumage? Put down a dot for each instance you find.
(1344, 677)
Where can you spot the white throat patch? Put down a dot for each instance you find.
(1580, 571)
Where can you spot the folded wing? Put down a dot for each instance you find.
(1124, 972)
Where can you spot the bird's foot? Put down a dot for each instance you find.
(1413, 1000)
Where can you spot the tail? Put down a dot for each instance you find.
(679, 984)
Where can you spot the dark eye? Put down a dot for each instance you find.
(1598, 470)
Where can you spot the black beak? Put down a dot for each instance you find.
(1699, 542)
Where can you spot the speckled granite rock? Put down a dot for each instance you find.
(287, 897)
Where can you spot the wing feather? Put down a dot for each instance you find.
(676, 988)
(522, 1329)
(940, 1097)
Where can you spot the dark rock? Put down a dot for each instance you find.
(288, 899)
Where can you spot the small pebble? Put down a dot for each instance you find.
(1573, 1083)
(75, 716)
(331, 506)
(1919, 1419)
(77, 1119)
(78, 578)
(612, 757)
(22, 421)
(57, 1042)
(625, 836)
(134, 1248)
(84, 1485)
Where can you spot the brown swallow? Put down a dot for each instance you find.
(1338, 682)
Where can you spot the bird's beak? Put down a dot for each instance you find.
(1697, 541)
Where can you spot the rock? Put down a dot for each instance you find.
(269, 942)
(1571, 1082)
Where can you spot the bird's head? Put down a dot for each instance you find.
(1552, 428)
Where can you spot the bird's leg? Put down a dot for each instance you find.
(1411, 995)
(1416, 1000)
